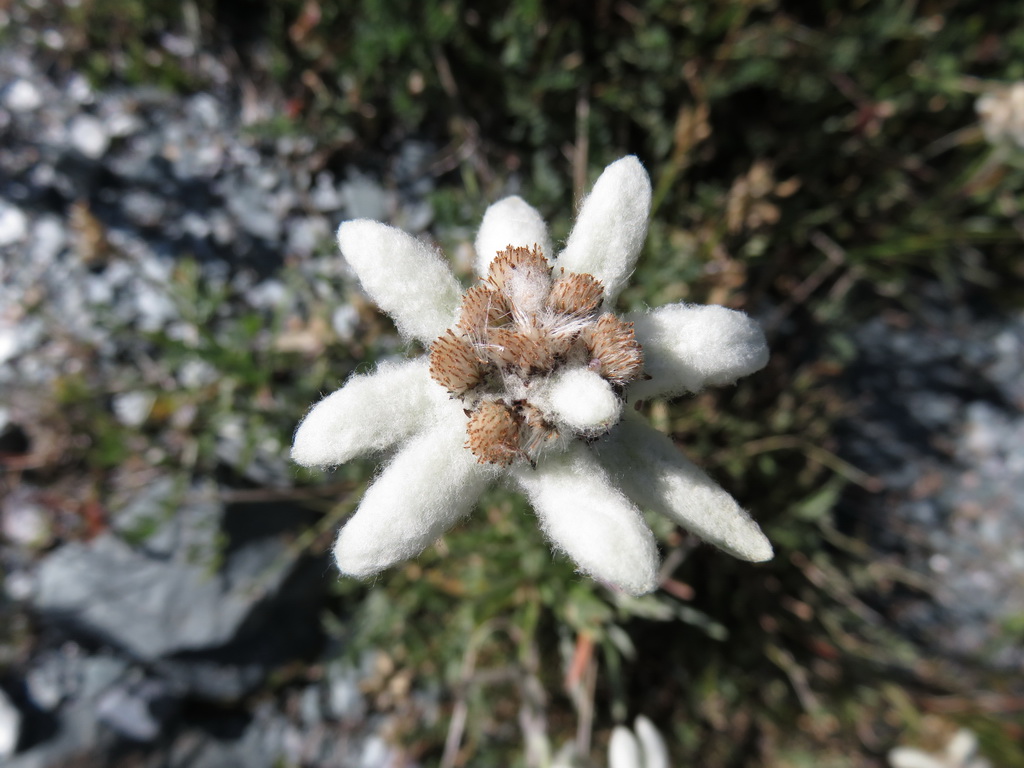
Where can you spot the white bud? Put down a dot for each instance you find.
(582, 400)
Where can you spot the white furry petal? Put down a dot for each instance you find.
(589, 519)
(964, 744)
(645, 749)
(371, 412)
(611, 227)
(403, 276)
(651, 744)
(908, 757)
(657, 476)
(426, 488)
(511, 221)
(690, 346)
(624, 749)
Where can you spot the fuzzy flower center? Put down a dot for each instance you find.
(534, 360)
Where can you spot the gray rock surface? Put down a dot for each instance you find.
(942, 424)
(365, 199)
(69, 674)
(153, 607)
(137, 710)
(78, 732)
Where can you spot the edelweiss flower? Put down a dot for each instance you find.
(528, 377)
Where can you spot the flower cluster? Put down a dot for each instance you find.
(528, 377)
(534, 360)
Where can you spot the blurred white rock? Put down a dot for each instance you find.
(13, 224)
(133, 408)
(23, 96)
(89, 136)
(10, 726)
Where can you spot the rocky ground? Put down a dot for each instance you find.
(147, 640)
(941, 423)
(151, 640)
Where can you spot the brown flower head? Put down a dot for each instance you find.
(519, 332)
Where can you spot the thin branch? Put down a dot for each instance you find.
(305, 540)
(841, 467)
(460, 710)
(533, 708)
(581, 150)
(585, 707)
(835, 258)
(580, 683)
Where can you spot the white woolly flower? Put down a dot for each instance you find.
(529, 377)
(1002, 115)
(961, 752)
(642, 747)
